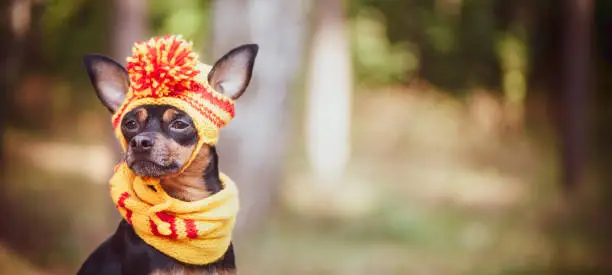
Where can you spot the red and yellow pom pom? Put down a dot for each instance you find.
(162, 66)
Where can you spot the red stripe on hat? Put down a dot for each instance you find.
(204, 94)
(205, 112)
(120, 112)
(209, 114)
(224, 105)
(192, 231)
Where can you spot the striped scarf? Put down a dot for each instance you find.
(197, 232)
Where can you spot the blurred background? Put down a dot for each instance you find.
(377, 136)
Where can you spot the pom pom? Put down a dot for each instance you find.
(162, 66)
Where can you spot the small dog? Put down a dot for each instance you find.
(160, 139)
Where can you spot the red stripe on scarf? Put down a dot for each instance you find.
(190, 226)
(121, 203)
(165, 218)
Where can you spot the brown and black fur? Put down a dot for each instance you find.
(161, 139)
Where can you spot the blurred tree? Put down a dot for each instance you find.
(5, 81)
(25, 54)
(544, 63)
(253, 145)
(603, 97)
(130, 24)
(15, 33)
(601, 132)
(576, 74)
(558, 80)
(328, 104)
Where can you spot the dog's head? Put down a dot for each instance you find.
(160, 139)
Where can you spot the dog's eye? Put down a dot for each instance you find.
(179, 125)
(130, 125)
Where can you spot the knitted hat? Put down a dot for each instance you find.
(165, 71)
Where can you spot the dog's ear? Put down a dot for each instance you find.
(231, 74)
(109, 79)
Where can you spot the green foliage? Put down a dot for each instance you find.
(71, 28)
(513, 56)
(453, 41)
(190, 18)
(376, 60)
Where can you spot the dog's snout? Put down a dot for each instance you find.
(141, 143)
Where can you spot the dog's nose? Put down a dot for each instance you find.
(141, 143)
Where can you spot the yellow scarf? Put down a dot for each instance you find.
(196, 232)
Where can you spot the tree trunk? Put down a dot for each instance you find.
(252, 147)
(576, 74)
(129, 25)
(15, 23)
(5, 81)
(329, 95)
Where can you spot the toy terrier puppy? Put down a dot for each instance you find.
(160, 140)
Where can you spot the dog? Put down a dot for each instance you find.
(160, 139)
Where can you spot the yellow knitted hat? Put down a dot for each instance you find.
(166, 71)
